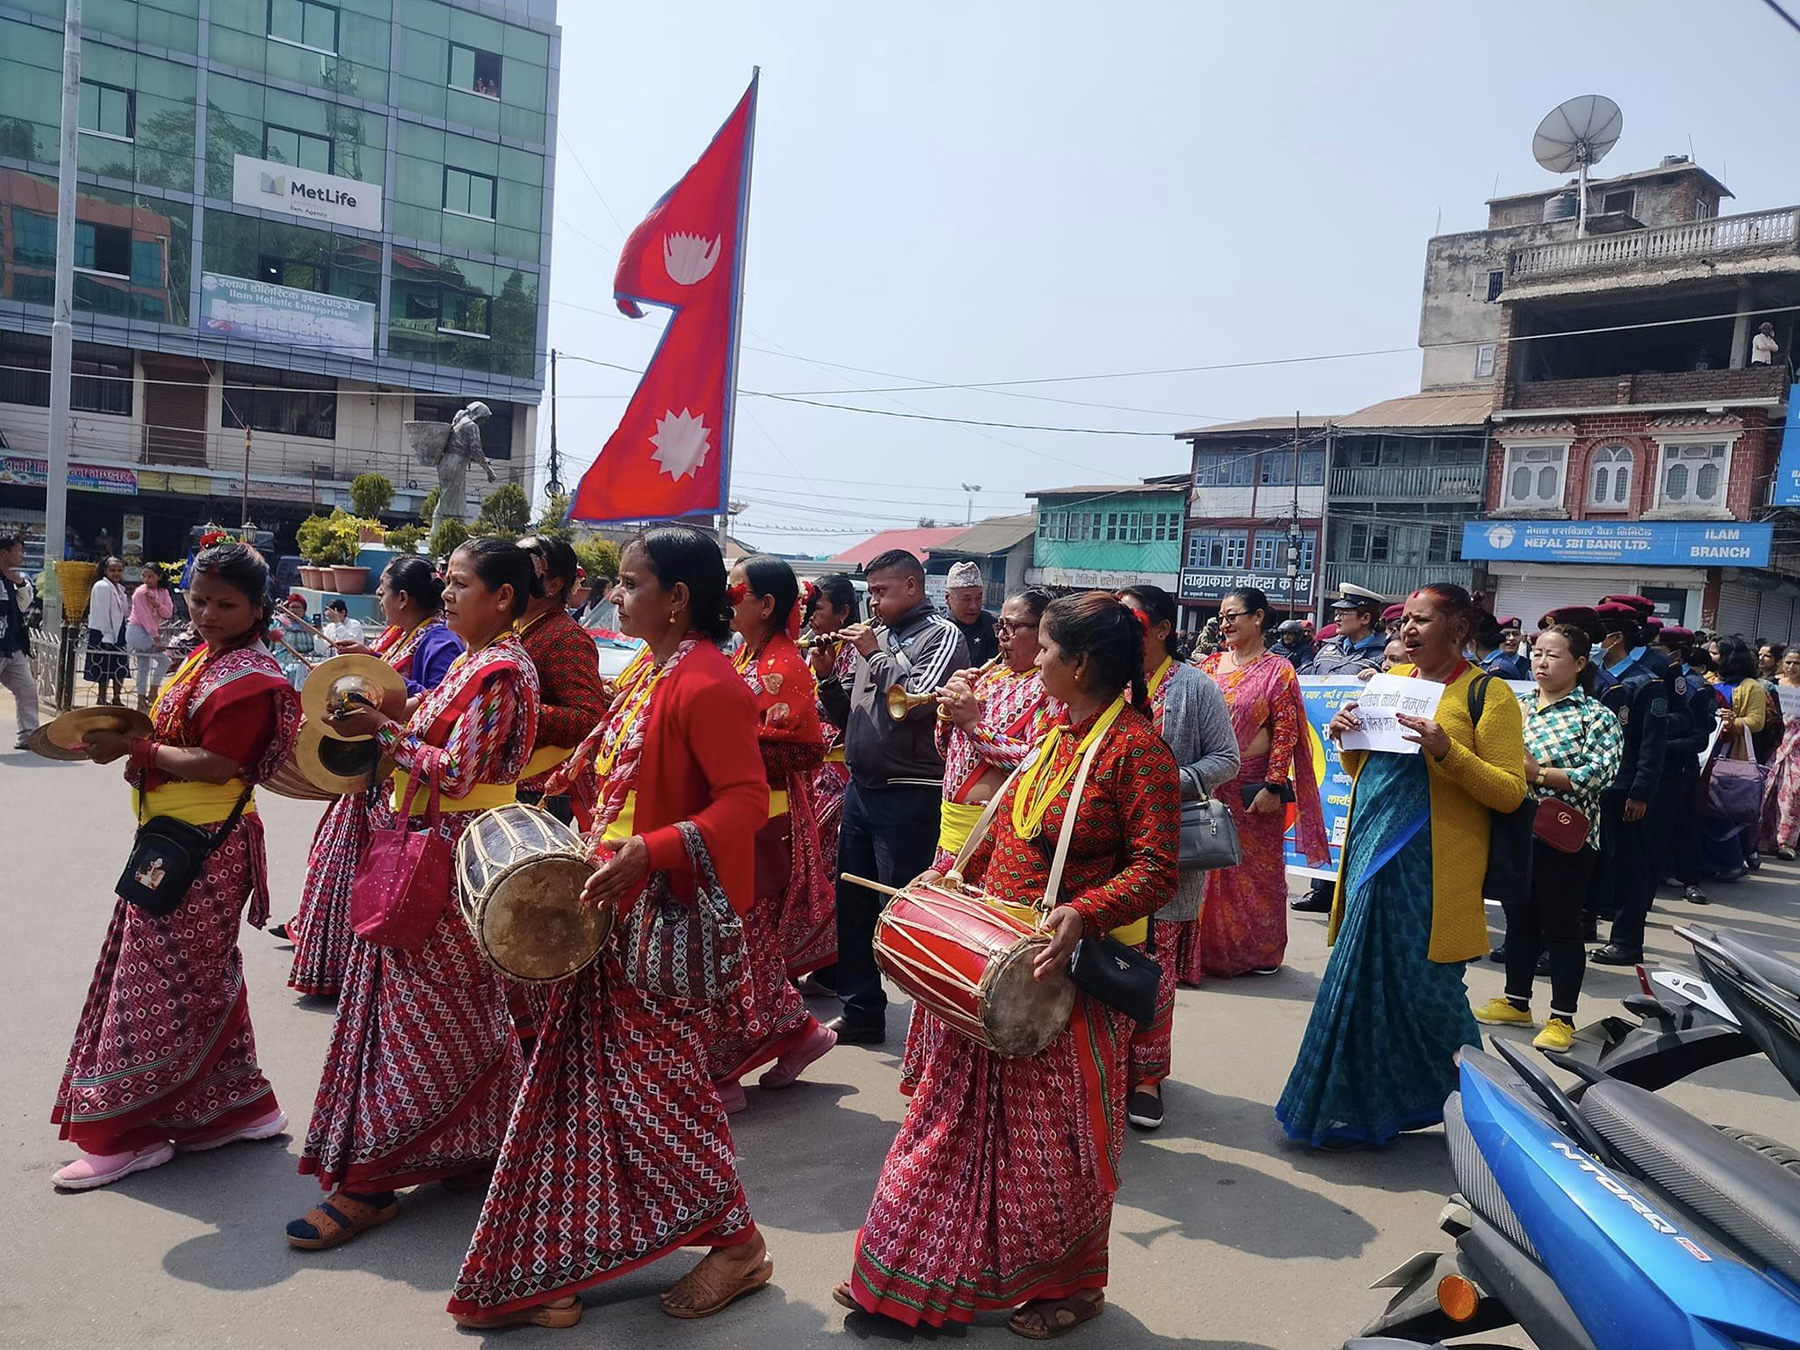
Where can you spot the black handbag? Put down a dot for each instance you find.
(1510, 833)
(166, 859)
(1209, 836)
(1119, 976)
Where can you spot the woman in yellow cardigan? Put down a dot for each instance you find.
(1379, 1052)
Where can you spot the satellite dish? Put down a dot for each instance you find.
(1575, 135)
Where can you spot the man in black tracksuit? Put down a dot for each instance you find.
(1626, 880)
(889, 828)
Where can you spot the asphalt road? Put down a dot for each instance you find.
(1224, 1234)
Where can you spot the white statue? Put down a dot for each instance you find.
(452, 456)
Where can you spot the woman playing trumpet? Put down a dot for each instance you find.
(832, 604)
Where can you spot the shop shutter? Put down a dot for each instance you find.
(1530, 598)
(1738, 607)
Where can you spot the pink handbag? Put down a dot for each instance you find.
(404, 882)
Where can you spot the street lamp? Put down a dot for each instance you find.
(971, 489)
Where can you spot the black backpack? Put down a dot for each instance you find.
(1510, 838)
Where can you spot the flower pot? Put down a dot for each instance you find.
(369, 534)
(350, 580)
(311, 577)
(327, 582)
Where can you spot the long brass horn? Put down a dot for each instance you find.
(901, 705)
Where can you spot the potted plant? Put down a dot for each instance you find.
(344, 543)
(312, 536)
(370, 495)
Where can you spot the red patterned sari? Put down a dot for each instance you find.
(618, 1152)
(999, 1187)
(795, 901)
(833, 776)
(321, 928)
(164, 1047)
(424, 1063)
(1243, 924)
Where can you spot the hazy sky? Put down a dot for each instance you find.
(992, 191)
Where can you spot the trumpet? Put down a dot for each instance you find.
(901, 705)
(807, 641)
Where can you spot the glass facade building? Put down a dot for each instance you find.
(351, 193)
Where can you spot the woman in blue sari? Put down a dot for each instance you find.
(1379, 1052)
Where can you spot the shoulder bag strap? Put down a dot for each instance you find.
(220, 835)
(1053, 887)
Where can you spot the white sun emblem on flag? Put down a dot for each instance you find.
(681, 443)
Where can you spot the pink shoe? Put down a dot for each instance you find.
(268, 1127)
(819, 1039)
(102, 1169)
(731, 1096)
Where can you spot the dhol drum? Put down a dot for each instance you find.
(969, 963)
(521, 871)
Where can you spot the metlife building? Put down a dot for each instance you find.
(310, 221)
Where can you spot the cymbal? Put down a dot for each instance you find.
(39, 743)
(72, 728)
(367, 677)
(336, 765)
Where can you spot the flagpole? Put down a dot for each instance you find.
(737, 312)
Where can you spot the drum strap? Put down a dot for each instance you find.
(1064, 836)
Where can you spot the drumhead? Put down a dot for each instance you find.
(1022, 1013)
(531, 923)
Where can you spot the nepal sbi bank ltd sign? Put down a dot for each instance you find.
(1645, 543)
(323, 197)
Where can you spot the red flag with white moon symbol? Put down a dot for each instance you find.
(670, 456)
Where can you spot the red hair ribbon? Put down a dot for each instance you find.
(1142, 618)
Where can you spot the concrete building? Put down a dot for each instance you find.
(299, 225)
(1108, 536)
(1250, 490)
(1633, 442)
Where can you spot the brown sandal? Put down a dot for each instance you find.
(714, 1293)
(339, 1219)
(846, 1299)
(1048, 1311)
(557, 1314)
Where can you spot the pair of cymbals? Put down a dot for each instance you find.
(324, 765)
(65, 738)
(351, 681)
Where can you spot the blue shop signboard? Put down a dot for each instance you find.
(1649, 543)
(1786, 489)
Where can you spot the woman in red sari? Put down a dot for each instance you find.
(998, 1190)
(794, 890)
(418, 645)
(1243, 922)
(164, 1058)
(832, 605)
(619, 1151)
(424, 1063)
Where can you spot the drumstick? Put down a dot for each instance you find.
(301, 620)
(299, 655)
(855, 880)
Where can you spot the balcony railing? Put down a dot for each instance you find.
(1675, 386)
(1761, 232)
(1395, 580)
(1413, 482)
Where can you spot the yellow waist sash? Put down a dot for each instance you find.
(778, 803)
(1132, 934)
(620, 830)
(482, 797)
(955, 823)
(195, 803)
(836, 756)
(544, 759)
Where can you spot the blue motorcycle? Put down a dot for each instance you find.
(1620, 1222)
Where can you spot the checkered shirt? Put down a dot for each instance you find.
(1580, 736)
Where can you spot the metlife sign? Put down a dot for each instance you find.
(321, 197)
(1646, 543)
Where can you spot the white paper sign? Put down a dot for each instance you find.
(1382, 697)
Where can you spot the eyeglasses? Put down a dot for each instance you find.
(1232, 618)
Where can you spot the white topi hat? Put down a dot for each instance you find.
(963, 574)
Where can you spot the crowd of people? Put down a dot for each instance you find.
(769, 753)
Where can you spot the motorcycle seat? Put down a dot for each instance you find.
(1777, 970)
(1744, 1195)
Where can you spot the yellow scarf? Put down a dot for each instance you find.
(1162, 673)
(1037, 790)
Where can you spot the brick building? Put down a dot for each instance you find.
(1632, 443)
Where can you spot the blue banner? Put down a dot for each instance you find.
(1322, 698)
(1644, 543)
(1785, 491)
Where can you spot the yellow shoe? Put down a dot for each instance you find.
(1497, 1012)
(1558, 1034)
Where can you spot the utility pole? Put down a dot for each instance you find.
(62, 328)
(971, 489)
(554, 486)
(1293, 539)
(1319, 551)
(245, 496)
